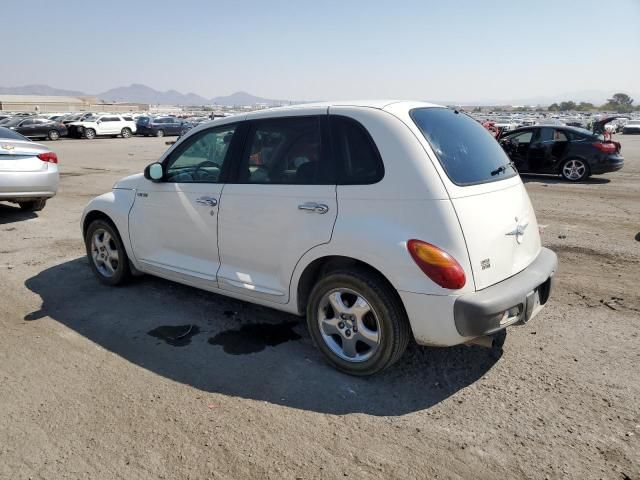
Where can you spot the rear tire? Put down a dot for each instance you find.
(160, 133)
(89, 133)
(34, 205)
(126, 132)
(53, 135)
(106, 254)
(344, 299)
(575, 170)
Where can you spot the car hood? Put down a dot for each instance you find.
(129, 183)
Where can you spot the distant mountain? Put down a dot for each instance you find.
(143, 94)
(39, 90)
(244, 98)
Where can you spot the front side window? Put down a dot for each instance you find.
(545, 135)
(201, 158)
(467, 152)
(357, 158)
(285, 151)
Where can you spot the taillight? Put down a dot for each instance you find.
(607, 147)
(48, 157)
(437, 264)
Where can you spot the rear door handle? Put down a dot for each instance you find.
(314, 207)
(207, 201)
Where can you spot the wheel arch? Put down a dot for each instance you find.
(320, 266)
(113, 206)
(93, 215)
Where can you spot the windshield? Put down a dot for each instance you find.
(466, 150)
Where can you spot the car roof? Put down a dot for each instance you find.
(297, 109)
(378, 104)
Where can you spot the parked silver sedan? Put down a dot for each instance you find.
(28, 171)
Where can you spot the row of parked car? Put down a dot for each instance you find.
(91, 125)
(610, 123)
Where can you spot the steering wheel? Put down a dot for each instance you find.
(206, 163)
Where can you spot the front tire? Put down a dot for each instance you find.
(34, 205)
(160, 133)
(357, 321)
(574, 170)
(106, 254)
(126, 132)
(53, 135)
(89, 133)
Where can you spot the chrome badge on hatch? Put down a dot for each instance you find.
(519, 230)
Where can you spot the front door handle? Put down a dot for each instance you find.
(314, 207)
(207, 201)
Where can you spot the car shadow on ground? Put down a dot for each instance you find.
(11, 214)
(292, 373)
(554, 179)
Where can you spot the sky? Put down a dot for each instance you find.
(460, 50)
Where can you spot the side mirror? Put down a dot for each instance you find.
(154, 172)
(99, 121)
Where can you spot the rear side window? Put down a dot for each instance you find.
(466, 150)
(286, 151)
(357, 158)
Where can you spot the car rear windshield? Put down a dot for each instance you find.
(466, 150)
(8, 134)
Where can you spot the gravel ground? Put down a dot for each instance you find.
(86, 392)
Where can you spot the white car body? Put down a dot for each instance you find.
(107, 124)
(25, 177)
(254, 243)
(632, 126)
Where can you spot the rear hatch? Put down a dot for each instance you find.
(493, 208)
(21, 156)
(501, 232)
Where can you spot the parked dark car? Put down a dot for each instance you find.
(34, 127)
(573, 153)
(161, 126)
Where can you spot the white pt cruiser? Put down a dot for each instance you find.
(378, 220)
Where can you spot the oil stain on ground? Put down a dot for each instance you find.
(176, 335)
(255, 337)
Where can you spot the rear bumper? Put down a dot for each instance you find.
(515, 300)
(612, 163)
(144, 131)
(42, 184)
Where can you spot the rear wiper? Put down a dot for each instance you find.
(502, 168)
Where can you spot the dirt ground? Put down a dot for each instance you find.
(86, 392)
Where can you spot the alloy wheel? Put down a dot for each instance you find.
(104, 252)
(349, 325)
(574, 169)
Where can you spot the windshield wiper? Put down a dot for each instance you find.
(502, 169)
